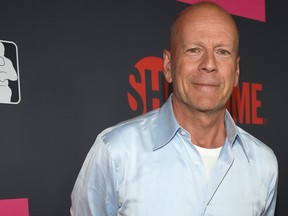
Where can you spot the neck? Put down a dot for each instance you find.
(207, 129)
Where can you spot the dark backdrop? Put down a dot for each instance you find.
(75, 58)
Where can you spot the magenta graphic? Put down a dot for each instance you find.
(252, 9)
(14, 207)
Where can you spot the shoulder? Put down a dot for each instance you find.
(257, 150)
(136, 129)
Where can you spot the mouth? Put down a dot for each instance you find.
(206, 86)
(203, 84)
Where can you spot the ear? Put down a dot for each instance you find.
(237, 74)
(167, 65)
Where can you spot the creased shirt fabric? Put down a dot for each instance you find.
(147, 166)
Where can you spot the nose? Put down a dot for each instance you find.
(208, 63)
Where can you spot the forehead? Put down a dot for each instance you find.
(206, 23)
(207, 30)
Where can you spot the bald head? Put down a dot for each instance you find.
(202, 12)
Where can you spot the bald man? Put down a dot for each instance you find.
(187, 158)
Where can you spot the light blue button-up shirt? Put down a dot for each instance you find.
(147, 166)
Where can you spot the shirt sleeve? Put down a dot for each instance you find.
(94, 192)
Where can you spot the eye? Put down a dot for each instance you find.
(193, 51)
(223, 52)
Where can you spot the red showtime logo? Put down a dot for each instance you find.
(251, 9)
(148, 90)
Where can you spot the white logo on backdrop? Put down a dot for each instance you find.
(9, 78)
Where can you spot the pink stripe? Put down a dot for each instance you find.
(14, 207)
(252, 9)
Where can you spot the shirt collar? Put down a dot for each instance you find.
(233, 134)
(231, 129)
(168, 126)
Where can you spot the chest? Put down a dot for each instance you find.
(174, 184)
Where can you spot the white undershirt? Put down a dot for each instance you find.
(209, 157)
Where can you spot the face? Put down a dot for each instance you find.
(203, 64)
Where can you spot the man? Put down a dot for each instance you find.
(187, 158)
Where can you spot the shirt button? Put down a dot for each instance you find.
(197, 163)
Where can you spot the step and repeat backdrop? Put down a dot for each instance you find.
(69, 69)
